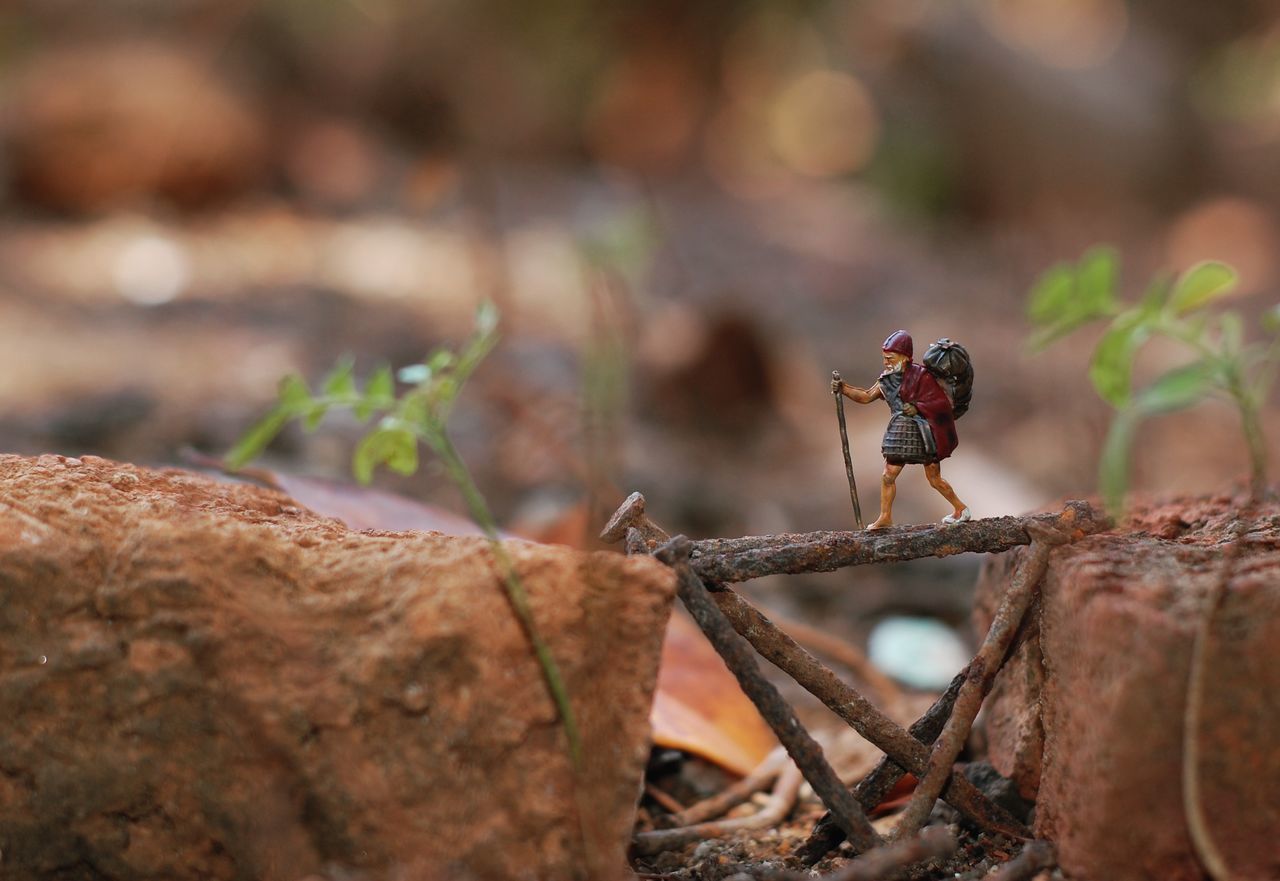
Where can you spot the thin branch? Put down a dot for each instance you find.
(870, 792)
(740, 659)
(847, 655)
(727, 561)
(667, 801)
(890, 861)
(1036, 856)
(731, 796)
(781, 801)
(862, 715)
(982, 671)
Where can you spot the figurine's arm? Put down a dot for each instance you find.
(860, 395)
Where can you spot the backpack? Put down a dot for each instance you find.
(950, 364)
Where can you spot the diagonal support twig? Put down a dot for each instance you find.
(826, 835)
(858, 712)
(740, 659)
(982, 670)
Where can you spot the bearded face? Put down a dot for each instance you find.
(894, 362)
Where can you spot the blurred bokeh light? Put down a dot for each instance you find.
(689, 215)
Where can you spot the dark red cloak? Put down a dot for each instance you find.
(919, 387)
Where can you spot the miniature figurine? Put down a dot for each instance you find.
(925, 400)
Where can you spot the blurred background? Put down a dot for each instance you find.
(688, 213)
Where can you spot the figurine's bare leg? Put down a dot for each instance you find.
(933, 472)
(888, 491)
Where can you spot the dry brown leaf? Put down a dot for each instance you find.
(699, 707)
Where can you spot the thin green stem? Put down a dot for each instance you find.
(438, 439)
(1236, 388)
(1251, 425)
(1257, 450)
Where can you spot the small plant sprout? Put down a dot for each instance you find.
(419, 414)
(1182, 308)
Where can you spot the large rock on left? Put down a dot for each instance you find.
(206, 681)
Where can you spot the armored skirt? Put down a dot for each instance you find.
(907, 441)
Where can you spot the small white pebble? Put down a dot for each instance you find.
(922, 652)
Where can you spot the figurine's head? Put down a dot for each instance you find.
(897, 350)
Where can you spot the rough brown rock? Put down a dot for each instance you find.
(1088, 718)
(205, 681)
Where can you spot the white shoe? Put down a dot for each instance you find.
(964, 517)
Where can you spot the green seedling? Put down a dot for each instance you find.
(418, 414)
(1184, 308)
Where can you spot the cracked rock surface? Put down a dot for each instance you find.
(204, 680)
(1088, 717)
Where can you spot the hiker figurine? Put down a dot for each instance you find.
(925, 400)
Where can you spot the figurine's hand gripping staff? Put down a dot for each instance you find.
(837, 387)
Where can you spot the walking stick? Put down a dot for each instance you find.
(844, 442)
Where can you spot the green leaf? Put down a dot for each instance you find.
(314, 415)
(256, 439)
(1096, 282)
(379, 394)
(1178, 389)
(1157, 293)
(341, 383)
(412, 409)
(1113, 466)
(295, 397)
(402, 452)
(1051, 296)
(1271, 319)
(440, 360)
(392, 445)
(1065, 297)
(1201, 285)
(1112, 367)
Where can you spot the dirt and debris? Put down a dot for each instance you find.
(771, 854)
